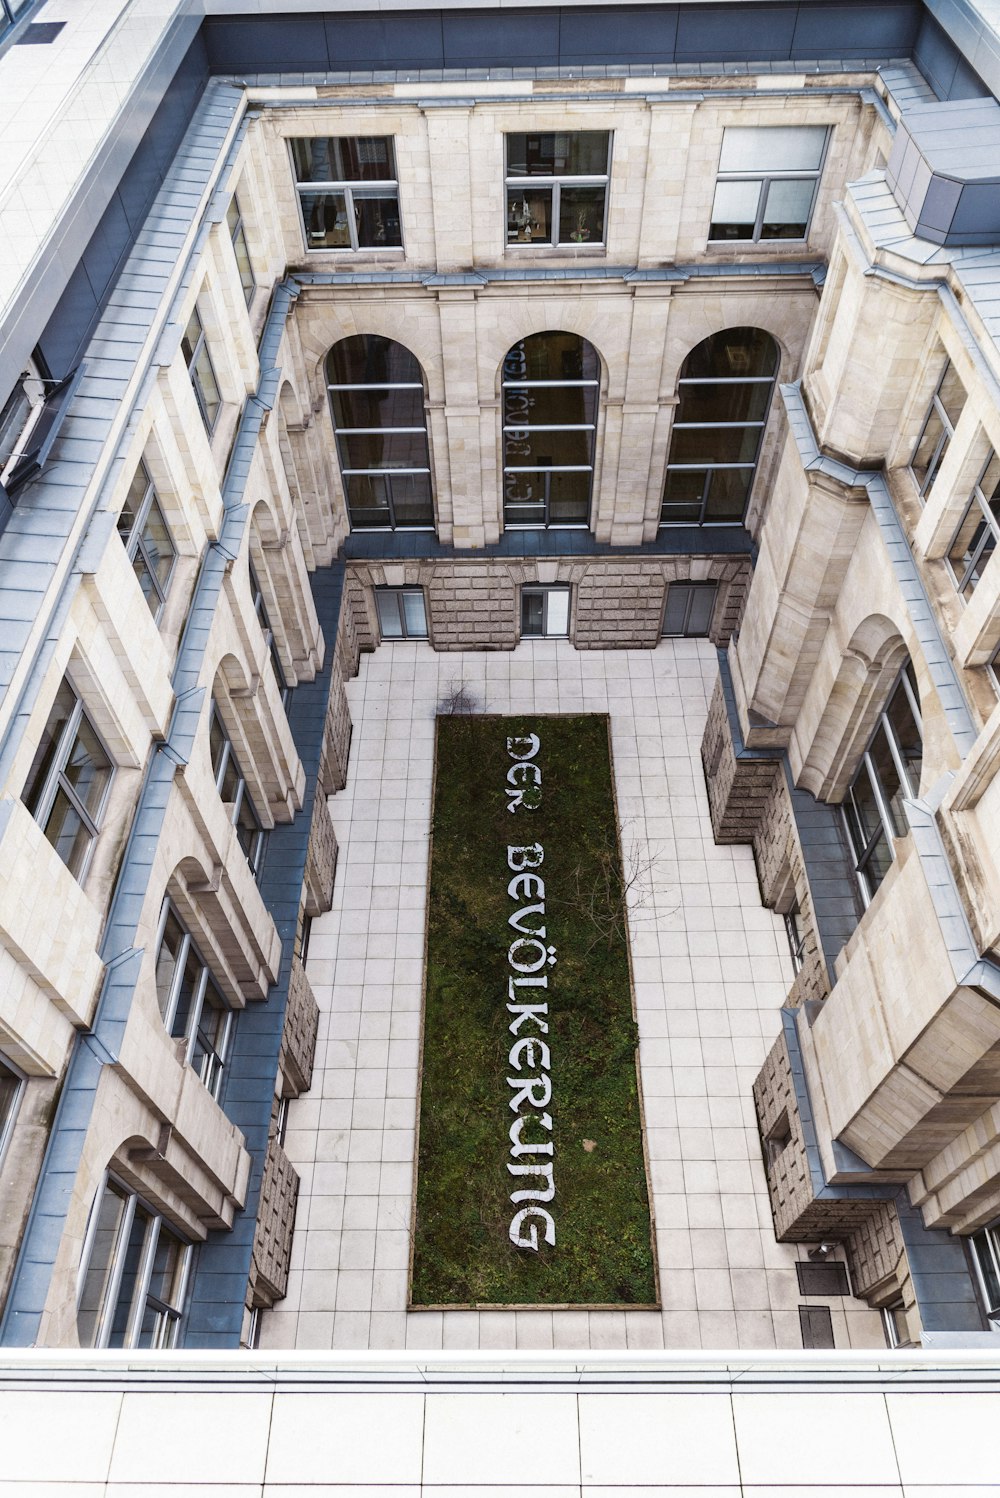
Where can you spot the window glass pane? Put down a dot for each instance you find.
(967, 540)
(702, 605)
(204, 378)
(549, 405)
(711, 445)
(786, 212)
(557, 611)
(248, 829)
(367, 158)
(571, 153)
(188, 995)
(130, 1284)
(990, 485)
(581, 215)
(370, 359)
(167, 1279)
(888, 779)
(167, 958)
(675, 612)
(410, 495)
(378, 222)
(41, 765)
(734, 211)
(532, 612)
(529, 215)
(190, 337)
(551, 356)
(144, 578)
(67, 833)
(728, 491)
(713, 401)
(211, 1039)
(368, 501)
(10, 1090)
(987, 549)
(385, 450)
(96, 1281)
(158, 546)
(547, 449)
(378, 408)
(88, 768)
(952, 394)
(390, 620)
(218, 742)
(414, 615)
(985, 1247)
(325, 217)
(133, 502)
(734, 353)
(682, 494)
(243, 265)
(772, 148)
(863, 815)
(569, 498)
(907, 737)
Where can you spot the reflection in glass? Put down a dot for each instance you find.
(550, 389)
(377, 400)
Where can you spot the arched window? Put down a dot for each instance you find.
(377, 396)
(550, 388)
(725, 390)
(888, 775)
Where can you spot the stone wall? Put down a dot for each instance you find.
(738, 789)
(272, 1244)
(298, 1040)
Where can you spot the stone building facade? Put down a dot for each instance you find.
(187, 588)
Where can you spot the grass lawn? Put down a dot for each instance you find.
(462, 1253)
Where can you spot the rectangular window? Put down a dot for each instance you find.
(200, 368)
(796, 936)
(68, 782)
(261, 612)
(545, 612)
(190, 1003)
(232, 787)
(947, 404)
(237, 233)
(402, 614)
(985, 1247)
(557, 187)
(348, 192)
(889, 773)
(147, 540)
(897, 1333)
(767, 181)
(689, 608)
(12, 1086)
(979, 529)
(133, 1285)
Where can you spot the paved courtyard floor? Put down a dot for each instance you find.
(711, 970)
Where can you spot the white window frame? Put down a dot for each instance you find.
(990, 1237)
(382, 187)
(260, 610)
(936, 407)
(397, 593)
(213, 1069)
(56, 780)
(546, 590)
(867, 768)
(553, 184)
(889, 1327)
(227, 758)
(173, 1315)
(200, 350)
(237, 234)
(991, 528)
(9, 1119)
(135, 543)
(766, 179)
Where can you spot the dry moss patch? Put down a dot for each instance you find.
(463, 1254)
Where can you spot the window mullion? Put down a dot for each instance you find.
(876, 785)
(145, 1274)
(117, 1268)
(178, 980)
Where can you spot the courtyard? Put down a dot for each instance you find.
(711, 969)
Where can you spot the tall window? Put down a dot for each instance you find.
(979, 530)
(557, 187)
(260, 609)
(192, 1007)
(147, 540)
(725, 390)
(348, 192)
(768, 175)
(551, 383)
(947, 404)
(889, 773)
(237, 233)
(68, 782)
(232, 787)
(986, 1253)
(133, 1286)
(377, 395)
(199, 363)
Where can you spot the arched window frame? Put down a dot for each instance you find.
(888, 822)
(511, 432)
(384, 474)
(698, 505)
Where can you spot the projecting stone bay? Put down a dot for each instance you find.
(531, 1180)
